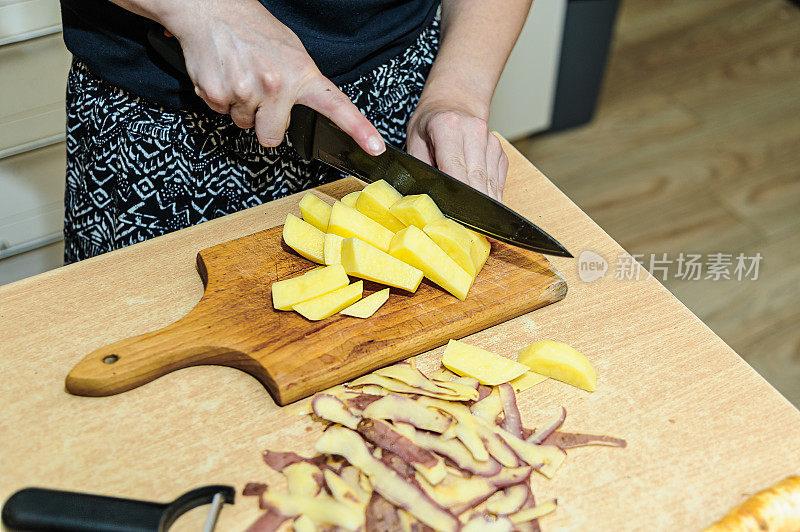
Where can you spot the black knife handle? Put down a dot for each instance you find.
(167, 47)
(66, 511)
(301, 130)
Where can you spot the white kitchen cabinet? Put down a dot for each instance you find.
(33, 70)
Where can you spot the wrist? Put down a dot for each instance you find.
(454, 98)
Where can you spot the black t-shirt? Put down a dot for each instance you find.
(345, 38)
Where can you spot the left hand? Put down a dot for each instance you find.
(458, 143)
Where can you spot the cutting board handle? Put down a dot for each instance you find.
(129, 363)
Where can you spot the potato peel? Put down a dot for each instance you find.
(399, 408)
(348, 444)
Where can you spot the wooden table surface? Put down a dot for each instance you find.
(704, 430)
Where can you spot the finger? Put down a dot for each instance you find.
(321, 94)
(503, 173)
(417, 147)
(448, 149)
(494, 151)
(215, 97)
(243, 114)
(271, 122)
(475, 144)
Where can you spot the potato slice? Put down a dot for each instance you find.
(527, 380)
(480, 250)
(375, 201)
(387, 482)
(414, 247)
(351, 199)
(289, 292)
(561, 362)
(455, 240)
(367, 306)
(332, 249)
(368, 262)
(418, 210)
(470, 361)
(327, 305)
(348, 222)
(315, 211)
(304, 238)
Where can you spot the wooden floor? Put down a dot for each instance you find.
(695, 148)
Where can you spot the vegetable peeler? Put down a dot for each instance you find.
(69, 511)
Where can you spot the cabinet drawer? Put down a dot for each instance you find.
(24, 19)
(33, 77)
(32, 202)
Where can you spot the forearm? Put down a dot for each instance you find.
(158, 10)
(477, 38)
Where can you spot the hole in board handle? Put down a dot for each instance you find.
(110, 359)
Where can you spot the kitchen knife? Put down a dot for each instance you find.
(314, 136)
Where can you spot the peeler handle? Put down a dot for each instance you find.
(66, 511)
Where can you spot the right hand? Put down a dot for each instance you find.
(246, 63)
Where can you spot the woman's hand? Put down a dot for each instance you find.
(246, 63)
(458, 142)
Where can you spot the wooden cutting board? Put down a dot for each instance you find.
(235, 325)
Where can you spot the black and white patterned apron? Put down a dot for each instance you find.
(136, 170)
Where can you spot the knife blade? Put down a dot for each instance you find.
(314, 136)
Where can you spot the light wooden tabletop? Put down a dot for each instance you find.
(703, 429)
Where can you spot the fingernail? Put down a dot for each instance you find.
(376, 145)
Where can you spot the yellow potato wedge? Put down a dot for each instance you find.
(367, 306)
(375, 201)
(480, 250)
(304, 238)
(327, 305)
(332, 249)
(418, 210)
(471, 361)
(368, 262)
(529, 379)
(290, 292)
(349, 223)
(414, 247)
(315, 211)
(455, 240)
(561, 362)
(351, 199)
